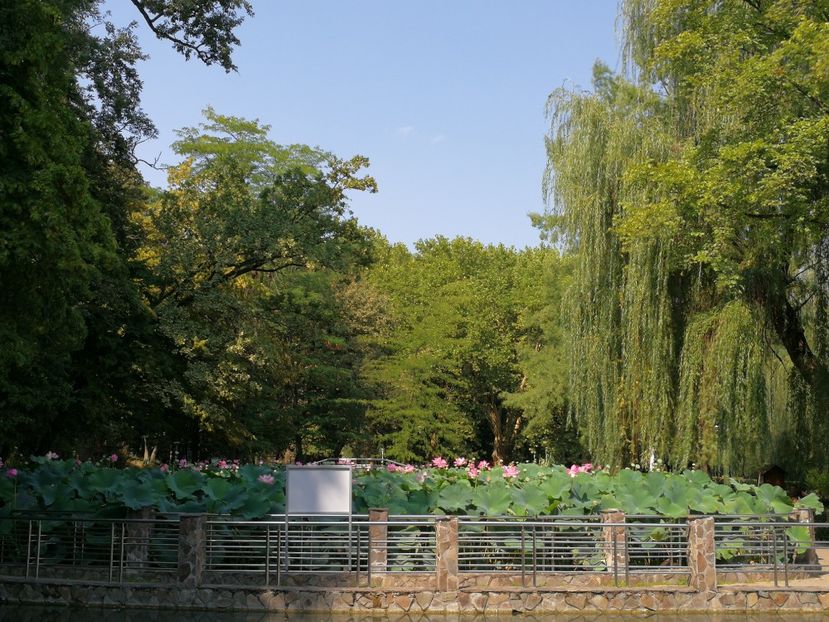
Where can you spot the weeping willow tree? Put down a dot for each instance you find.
(694, 193)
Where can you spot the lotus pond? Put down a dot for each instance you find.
(253, 491)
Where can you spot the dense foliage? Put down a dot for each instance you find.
(207, 315)
(693, 194)
(677, 310)
(252, 491)
(455, 365)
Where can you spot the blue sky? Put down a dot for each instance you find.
(446, 98)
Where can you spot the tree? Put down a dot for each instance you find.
(71, 321)
(56, 243)
(541, 396)
(450, 366)
(695, 197)
(240, 252)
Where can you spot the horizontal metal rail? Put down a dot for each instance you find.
(90, 549)
(783, 549)
(319, 546)
(571, 547)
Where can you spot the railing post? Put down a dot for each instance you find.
(702, 555)
(446, 553)
(807, 515)
(192, 549)
(39, 538)
(137, 538)
(378, 535)
(615, 542)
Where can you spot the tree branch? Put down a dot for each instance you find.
(166, 35)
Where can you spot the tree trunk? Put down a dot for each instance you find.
(300, 454)
(787, 324)
(499, 449)
(505, 428)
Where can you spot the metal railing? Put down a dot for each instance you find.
(318, 546)
(409, 544)
(318, 549)
(783, 549)
(657, 545)
(567, 546)
(89, 549)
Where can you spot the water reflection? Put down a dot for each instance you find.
(66, 614)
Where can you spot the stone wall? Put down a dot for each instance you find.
(363, 600)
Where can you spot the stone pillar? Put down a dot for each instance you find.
(615, 538)
(137, 536)
(378, 534)
(446, 553)
(192, 549)
(807, 515)
(702, 561)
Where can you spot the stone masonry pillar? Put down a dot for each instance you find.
(137, 536)
(192, 549)
(807, 515)
(702, 562)
(614, 536)
(378, 533)
(446, 554)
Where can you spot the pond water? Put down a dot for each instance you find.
(66, 614)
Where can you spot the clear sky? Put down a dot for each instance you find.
(446, 98)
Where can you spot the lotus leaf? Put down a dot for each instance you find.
(230, 501)
(137, 494)
(104, 481)
(456, 496)
(812, 502)
(800, 537)
(556, 486)
(493, 500)
(184, 483)
(529, 501)
(773, 499)
(217, 488)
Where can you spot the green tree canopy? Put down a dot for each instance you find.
(452, 364)
(694, 194)
(221, 247)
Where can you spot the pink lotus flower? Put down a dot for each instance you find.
(342, 461)
(163, 468)
(266, 479)
(459, 462)
(472, 472)
(222, 464)
(113, 458)
(409, 468)
(77, 462)
(391, 467)
(11, 473)
(182, 464)
(483, 464)
(51, 455)
(575, 469)
(511, 471)
(439, 463)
